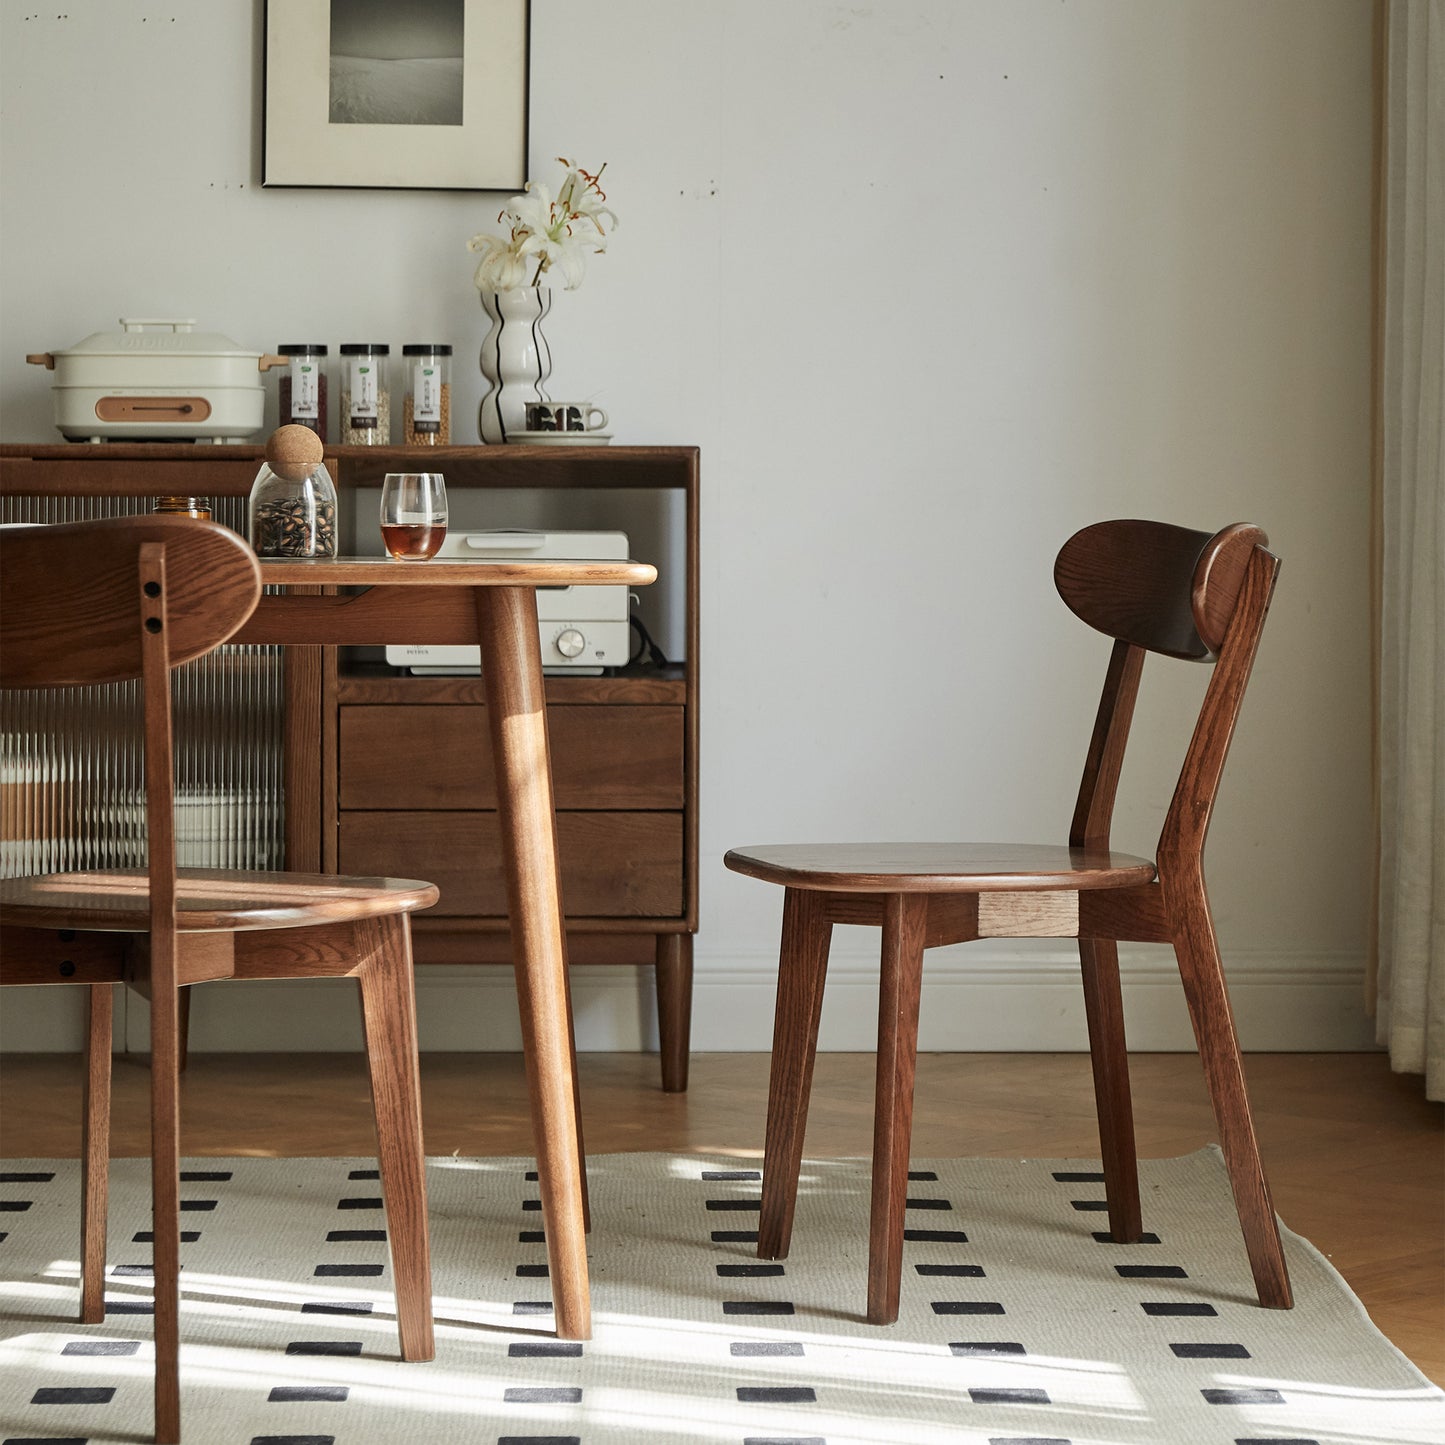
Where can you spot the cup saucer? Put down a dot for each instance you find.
(559, 438)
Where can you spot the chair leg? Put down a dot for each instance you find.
(388, 1010)
(95, 1155)
(1202, 972)
(674, 1007)
(1104, 1008)
(165, 1209)
(802, 969)
(905, 920)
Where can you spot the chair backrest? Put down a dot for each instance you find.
(74, 611)
(1201, 596)
(1164, 588)
(94, 602)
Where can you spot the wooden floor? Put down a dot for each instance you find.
(1356, 1155)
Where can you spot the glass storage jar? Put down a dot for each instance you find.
(365, 400)
(292, 511)
(427, 411)
(303, 386)
(198, 507)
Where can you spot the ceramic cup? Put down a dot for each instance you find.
(565, 416)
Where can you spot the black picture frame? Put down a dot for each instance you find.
(465, 116)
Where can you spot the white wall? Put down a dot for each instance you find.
(931, 284)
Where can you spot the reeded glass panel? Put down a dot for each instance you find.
(72, 790)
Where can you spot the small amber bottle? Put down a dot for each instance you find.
(198, 507)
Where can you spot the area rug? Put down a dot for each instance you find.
(1021, 1323)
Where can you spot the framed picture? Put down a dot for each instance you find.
(423, 94)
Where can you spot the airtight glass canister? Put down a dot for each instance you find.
(427, 412)
(365, 399)
(303, 386)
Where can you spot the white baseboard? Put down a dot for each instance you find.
(1012, 998)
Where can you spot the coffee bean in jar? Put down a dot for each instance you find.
(292, 510)
(365, 399)
(427, 410)
(303, 386)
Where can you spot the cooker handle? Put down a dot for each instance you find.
(41, 358)
(266, 362)
(176, 323)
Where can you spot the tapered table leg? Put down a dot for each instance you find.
(512, 671)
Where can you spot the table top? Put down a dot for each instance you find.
(456, 572)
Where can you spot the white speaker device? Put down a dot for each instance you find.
(582, 629)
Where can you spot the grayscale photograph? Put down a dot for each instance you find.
(396, 64)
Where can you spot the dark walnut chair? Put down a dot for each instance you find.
(98, 602)
(1152, 588)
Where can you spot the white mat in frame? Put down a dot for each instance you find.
(1017, 1325)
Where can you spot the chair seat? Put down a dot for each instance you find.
(207, 900)
(939, 867)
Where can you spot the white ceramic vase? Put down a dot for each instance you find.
(515, 359)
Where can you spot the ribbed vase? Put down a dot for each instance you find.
(515, 359)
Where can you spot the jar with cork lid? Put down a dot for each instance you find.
(365, 397)
(292, 511)
(427, 411)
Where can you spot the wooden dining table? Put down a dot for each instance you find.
(493, 605)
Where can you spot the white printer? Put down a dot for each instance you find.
(582, 629)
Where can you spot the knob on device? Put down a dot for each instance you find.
(570, 642)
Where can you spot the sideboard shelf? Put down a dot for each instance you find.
(625, 744)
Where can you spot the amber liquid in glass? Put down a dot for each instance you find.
(412, 541)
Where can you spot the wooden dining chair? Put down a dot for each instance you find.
(89, 603)
(1152, 587)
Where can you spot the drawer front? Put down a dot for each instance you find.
(441, 757)
(614, 865)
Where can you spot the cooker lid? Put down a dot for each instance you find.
(149, 336)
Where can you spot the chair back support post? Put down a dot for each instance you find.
(152, 609)
(152, 620)
(1181, 842)
(1094, 812)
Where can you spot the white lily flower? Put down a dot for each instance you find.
(533, 211)
(573, 260)
(585, 203)
(556, 232)
(501, 267)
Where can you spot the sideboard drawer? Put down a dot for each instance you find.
(440, 757)
(614, 865)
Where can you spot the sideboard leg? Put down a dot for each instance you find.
(674, 1007)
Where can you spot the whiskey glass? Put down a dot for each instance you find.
(413, 515)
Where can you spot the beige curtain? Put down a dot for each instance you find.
(1410, 543)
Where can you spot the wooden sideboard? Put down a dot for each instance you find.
(380, 771)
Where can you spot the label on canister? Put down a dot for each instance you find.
(426, 393)
(305, 389)
(363, 392)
